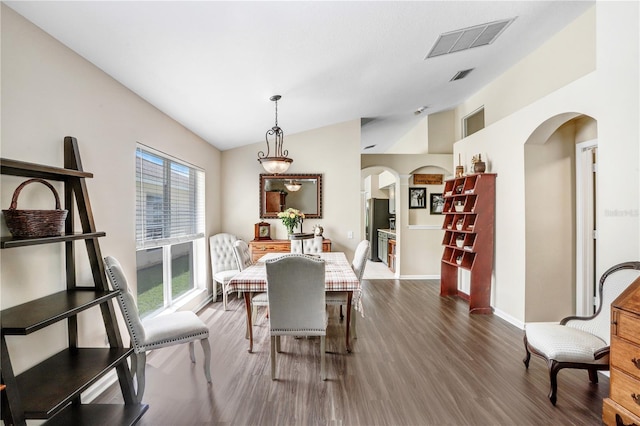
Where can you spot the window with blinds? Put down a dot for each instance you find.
(170, 200)
(169, 230)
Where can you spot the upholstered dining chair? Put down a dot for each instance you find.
(223, 262)
(243, 257)
(580, 342)
(340, 297)
(297, 307)
(309, 246)
(157, 332)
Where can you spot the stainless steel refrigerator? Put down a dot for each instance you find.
(377, 217)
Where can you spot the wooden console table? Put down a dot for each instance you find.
(261, 247)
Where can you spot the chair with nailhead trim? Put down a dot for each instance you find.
(157, 332)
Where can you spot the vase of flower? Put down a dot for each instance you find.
(291, 218)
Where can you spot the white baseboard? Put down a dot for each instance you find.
(419, 277)
(508, 318)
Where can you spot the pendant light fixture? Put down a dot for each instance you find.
(293, 185)
(279, 162)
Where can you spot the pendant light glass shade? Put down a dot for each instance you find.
(278, 162)
(293, 186)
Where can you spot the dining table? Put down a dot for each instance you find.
(339, 276)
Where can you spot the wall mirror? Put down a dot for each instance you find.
(280, 192)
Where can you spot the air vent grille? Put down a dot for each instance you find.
(461, 74)
(467, 38)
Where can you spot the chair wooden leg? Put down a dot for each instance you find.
(134, 361)
(354, 314)
(192, 353)
(141, 362)
(323, 363)
(206, 348)
(224, 296)
(341, 314)
(554, 368)
(273, 357)
(527, 357)
(593, 375)
(278, 349)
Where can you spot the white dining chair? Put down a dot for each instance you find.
(223, 262)
(307, 246)
(243, 257)
(297, 307)
(340, 297)
(157, 332)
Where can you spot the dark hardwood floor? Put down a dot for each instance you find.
(419, 359)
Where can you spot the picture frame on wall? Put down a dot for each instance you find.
(436, 201)
(417, 198)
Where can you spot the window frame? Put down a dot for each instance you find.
(173, 232)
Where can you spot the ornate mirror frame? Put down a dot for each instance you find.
(309, 181)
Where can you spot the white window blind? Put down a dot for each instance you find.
(169, 200)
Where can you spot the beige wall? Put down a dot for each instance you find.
(550, 226)
(567, 56)
(49, 92)
(441, 132)
(333, 151)
(609, 95)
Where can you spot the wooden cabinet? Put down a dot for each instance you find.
(623, 405)
(261, 247)
(274, 201)
(51, 389)
(469, 216)
(391, 254)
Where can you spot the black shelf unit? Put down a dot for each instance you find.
(51, 389)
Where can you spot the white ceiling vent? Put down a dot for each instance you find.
(466, 38)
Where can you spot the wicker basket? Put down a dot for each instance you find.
(34, 223)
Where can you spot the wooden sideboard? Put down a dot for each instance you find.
(261, 247)
(623, 405)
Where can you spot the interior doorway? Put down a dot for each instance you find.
(586, 227)
(560, 215)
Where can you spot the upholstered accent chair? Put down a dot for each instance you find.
(340, 297)
(580, 342)
(307, 246)
(157, 332)
(223, 262)
(296, 292)
(243, 257)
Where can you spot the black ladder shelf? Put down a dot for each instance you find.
(51, 389)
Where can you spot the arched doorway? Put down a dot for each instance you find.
(552, 193)
(379, 201)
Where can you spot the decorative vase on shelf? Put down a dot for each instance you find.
(290, 229)
(479, 166)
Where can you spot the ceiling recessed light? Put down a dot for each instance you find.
(420, 110)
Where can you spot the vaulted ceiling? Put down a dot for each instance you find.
(213, 65)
